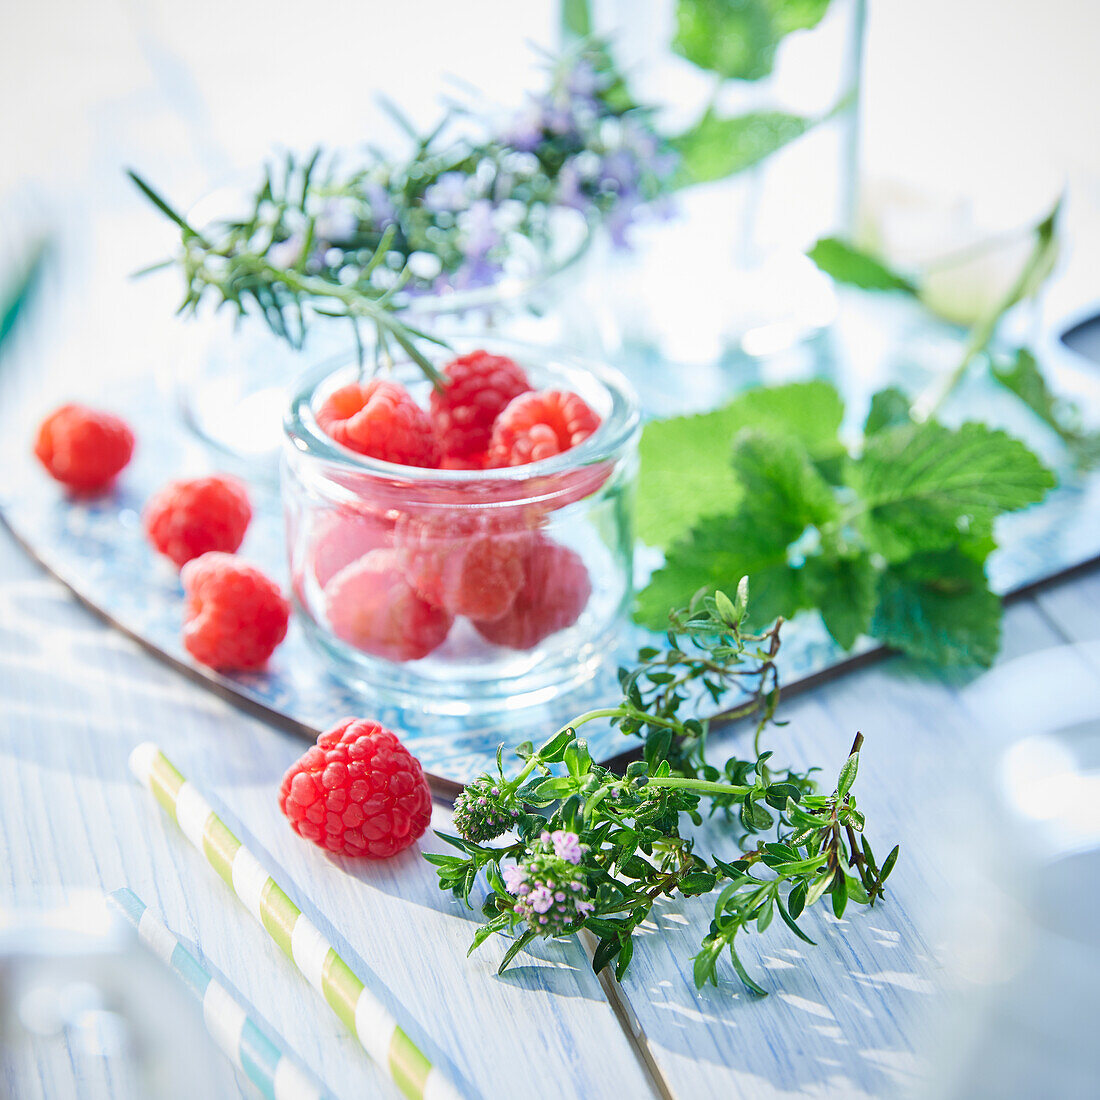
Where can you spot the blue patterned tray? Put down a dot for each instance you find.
(99, 551)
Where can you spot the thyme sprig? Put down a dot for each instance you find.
(594, 849)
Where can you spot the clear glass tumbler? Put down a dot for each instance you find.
(462, 591)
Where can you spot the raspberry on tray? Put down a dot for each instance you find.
(83, 448)
(186, 519)
(234, 616)
(357, 792)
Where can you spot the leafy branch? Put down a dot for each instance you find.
(594, 849)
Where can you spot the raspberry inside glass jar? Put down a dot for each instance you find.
(465, 578)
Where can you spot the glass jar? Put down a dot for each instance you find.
(464, 591)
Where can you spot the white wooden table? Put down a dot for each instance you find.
(853, 1018)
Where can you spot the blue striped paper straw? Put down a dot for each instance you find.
(270, 1069)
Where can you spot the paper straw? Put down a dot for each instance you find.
(363, 1014)
(266, 1065)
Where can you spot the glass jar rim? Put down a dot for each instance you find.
(617, 426)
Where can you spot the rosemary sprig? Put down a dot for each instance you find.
(598, 850)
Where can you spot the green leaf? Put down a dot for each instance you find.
(684, 471)
(553, 751)
(719, 550)
(697, 882)
(796, 900)
(847, 775)
(845, 591)
(889, 408)
(734, 38)
(847, 264)
(789, 921)
(717, 147)
(784, 492)
(818, 887)
(703, 968)
(797, 15)
(888, 863)
(742, 973)
(515, 949)
(840, 895)
(1023, 377)
(576, 18)
(923, 485)
(938, 607)
(15, 296)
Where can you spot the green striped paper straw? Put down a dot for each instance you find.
(264, 1063)
(363, 1014)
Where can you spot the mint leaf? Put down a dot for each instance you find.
(734, 38)
(783, 491)
(782, 495)
(848, 265)
(938, 607)
(716, 554)
(922, 486)
(797, 15)
(717, 147)
(889, 408)
(1023, 377)
(845, 591)
(684, 471)
(684, 474)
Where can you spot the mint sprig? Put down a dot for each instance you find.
(889, 540)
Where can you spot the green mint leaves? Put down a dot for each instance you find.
(738, 38)
(889, 541)
(853, 267)
(923, 486)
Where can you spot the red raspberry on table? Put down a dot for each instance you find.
(186, 519)
(82, 448)
(343, 537)
(380, 419)
(555, 590)
(539, 425)
(479, 386)
(358, 792)
(371, 605)
(467, 562)
(233, 616)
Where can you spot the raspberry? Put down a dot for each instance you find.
(539, 425)
(344, 537)
(82, 448)
(186, 519)
(233, 617)
(358, 792)
(466, 562)
(373, 607)
(379, 419)
(554, 593)
(479, 386)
